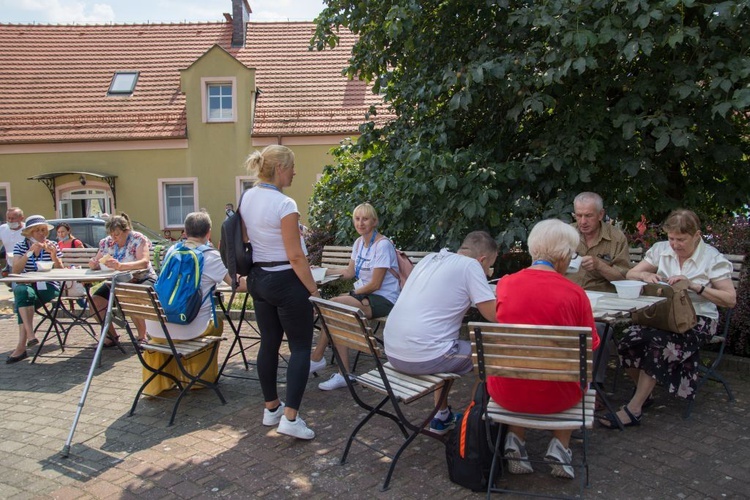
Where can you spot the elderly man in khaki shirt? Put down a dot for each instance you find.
(603, 248)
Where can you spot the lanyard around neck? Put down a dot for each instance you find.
(361, 260)
(120, 252)
(543, 263)
(269, 186)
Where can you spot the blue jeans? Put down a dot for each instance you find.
(282, 306)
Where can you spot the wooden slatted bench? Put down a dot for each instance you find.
(636, 255)
(80, 257)
(338, 256)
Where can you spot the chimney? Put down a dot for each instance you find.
(240, 16)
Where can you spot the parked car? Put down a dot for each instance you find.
(90, 230)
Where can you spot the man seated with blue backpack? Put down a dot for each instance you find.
(190, 309)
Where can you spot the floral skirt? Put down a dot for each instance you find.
(670, 358)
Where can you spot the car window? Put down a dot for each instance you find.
(99, 233)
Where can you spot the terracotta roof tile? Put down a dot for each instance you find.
(54, 80)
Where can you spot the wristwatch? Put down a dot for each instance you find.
(29, 254)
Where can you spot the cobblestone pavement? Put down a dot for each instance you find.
(225, 452)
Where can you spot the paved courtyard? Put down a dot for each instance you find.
(223, 451)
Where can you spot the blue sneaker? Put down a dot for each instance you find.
(441, 427)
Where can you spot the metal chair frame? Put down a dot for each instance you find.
(347, 327)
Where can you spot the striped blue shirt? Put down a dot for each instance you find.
(24, 246)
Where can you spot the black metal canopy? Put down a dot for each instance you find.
(49, 181)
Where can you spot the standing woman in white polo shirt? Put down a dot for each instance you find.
(281, 284)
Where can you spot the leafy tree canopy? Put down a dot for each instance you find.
(507, 109)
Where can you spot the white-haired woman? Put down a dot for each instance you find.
(281, 284)
(552, 244)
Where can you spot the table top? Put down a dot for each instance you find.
(81, 275)
(610, 306)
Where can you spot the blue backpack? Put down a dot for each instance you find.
(179, 284)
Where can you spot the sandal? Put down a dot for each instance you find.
(112, 341)
(613, 421)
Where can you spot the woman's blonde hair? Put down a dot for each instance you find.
(367, 210)
(682, 221)
(121, 222)
(262, 164)
(552, 240)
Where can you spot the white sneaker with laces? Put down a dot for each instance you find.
(336, 381)
(316, 366)
(271, 418)
(515, 453)
(560, 458)
(297, 429)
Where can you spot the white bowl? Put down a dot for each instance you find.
(593, 298)
(44, 265)
(628, 289)
(319, 273)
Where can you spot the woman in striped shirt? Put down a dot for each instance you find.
(34, 248)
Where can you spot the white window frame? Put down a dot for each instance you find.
(119, 78)
(163, 183)
(239, 181)
(205, 83)
(5, 186)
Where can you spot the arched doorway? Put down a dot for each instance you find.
(84, 202)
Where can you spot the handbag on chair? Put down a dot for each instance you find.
(676, 314)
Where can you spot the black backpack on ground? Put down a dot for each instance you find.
(236, 253)
(468, 450)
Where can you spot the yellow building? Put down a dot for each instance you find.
(155, 120)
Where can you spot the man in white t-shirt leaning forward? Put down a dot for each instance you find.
(421, 333)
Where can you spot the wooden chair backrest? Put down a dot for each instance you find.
(139, 301)
(532, 352)
(347, 326)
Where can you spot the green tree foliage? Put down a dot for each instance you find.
(507, 109)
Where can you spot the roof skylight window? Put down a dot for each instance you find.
(123, 83)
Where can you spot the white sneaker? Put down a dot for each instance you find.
(515, 453)
(336, 381)
(316, 366)
(297, 429)
(271, 418)
(560, 458)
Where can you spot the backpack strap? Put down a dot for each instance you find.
(394, 272)
(210, 295)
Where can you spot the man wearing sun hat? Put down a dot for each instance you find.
(10, 233)
(33, 248)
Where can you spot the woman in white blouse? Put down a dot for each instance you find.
(650, 355)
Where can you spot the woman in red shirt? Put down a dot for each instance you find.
(552, 245)
(65, 239)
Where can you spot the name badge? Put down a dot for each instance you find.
(359, 284)
(41, 285)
